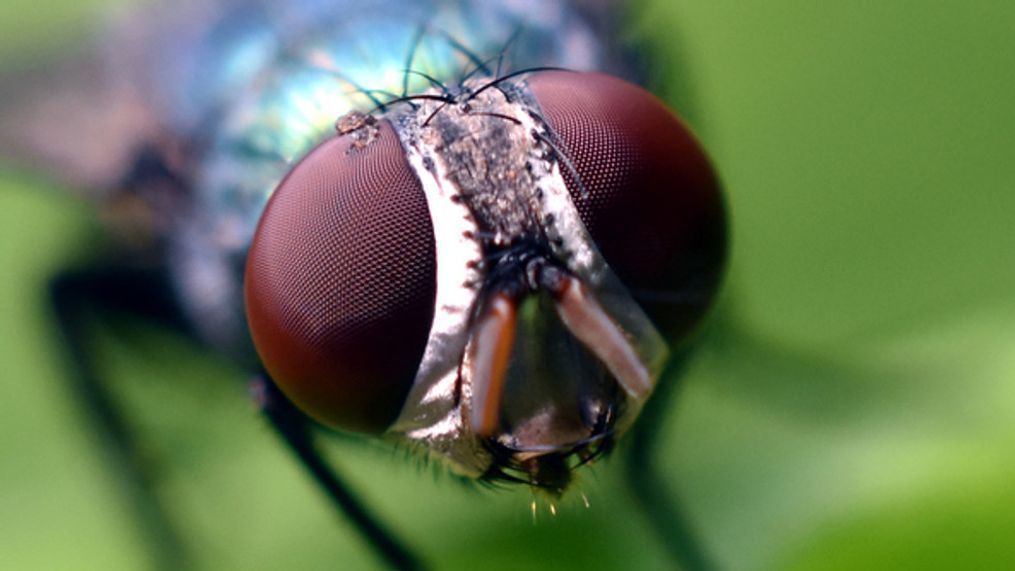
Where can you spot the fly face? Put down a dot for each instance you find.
(465, 286)
(463, 273)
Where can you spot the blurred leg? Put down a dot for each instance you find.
(76, 296)
(649, 487)
(297, 432)
(80, 295)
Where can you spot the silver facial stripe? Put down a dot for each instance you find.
(431, 416)
(490, 178)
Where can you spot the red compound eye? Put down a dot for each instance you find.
(653, 207)
(341, 276)
(341, 280)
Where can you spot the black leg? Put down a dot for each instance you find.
(648, 486)
(297, 432)
(75, 297)
(87, 294)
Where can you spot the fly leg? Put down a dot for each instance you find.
(80, 297)
(297, 431)
(77, 298)
(649, 487)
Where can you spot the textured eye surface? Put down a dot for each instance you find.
(340, 282)
(653, 204)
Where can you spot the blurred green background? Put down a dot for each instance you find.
(853, 405)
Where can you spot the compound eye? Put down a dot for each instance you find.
(648, 194)
(341, 280)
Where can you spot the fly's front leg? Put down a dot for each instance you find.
(297, 431)
(77, 297)
(649, 487)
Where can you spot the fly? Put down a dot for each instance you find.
(435, 222)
